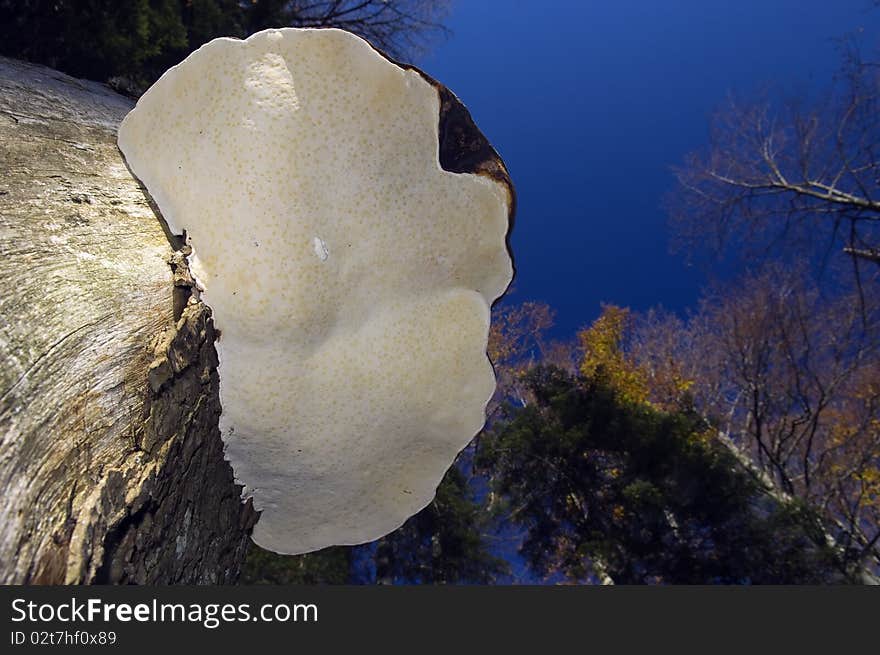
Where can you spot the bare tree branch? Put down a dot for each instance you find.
(784, 178)
(401, 28)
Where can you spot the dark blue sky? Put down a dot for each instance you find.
(590, 103)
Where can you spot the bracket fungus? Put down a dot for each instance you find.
(348, 226)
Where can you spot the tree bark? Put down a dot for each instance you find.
(111, 463)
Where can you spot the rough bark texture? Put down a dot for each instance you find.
(111, 463)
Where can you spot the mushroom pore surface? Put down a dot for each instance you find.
(351, 276)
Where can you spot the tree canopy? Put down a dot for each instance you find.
(610, 489)
(130, 43)
(610, 470)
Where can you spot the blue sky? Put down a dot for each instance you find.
(590, 104)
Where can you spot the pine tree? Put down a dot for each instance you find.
(604, 488)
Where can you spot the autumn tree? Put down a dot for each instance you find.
(604, 356)
(608, 489)
(783, 357)
(517, 341)
(797, 372)
(786, 375)
(639, 355)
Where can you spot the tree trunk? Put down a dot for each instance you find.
(111, 463)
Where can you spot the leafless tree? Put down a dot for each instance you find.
(799, 176)
(401, 28)
(790, 371)
(517, 341)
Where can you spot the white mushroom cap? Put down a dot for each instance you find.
(351, 276)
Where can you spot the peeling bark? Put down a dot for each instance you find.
(111, 463)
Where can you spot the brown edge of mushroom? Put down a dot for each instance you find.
(465, 149)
